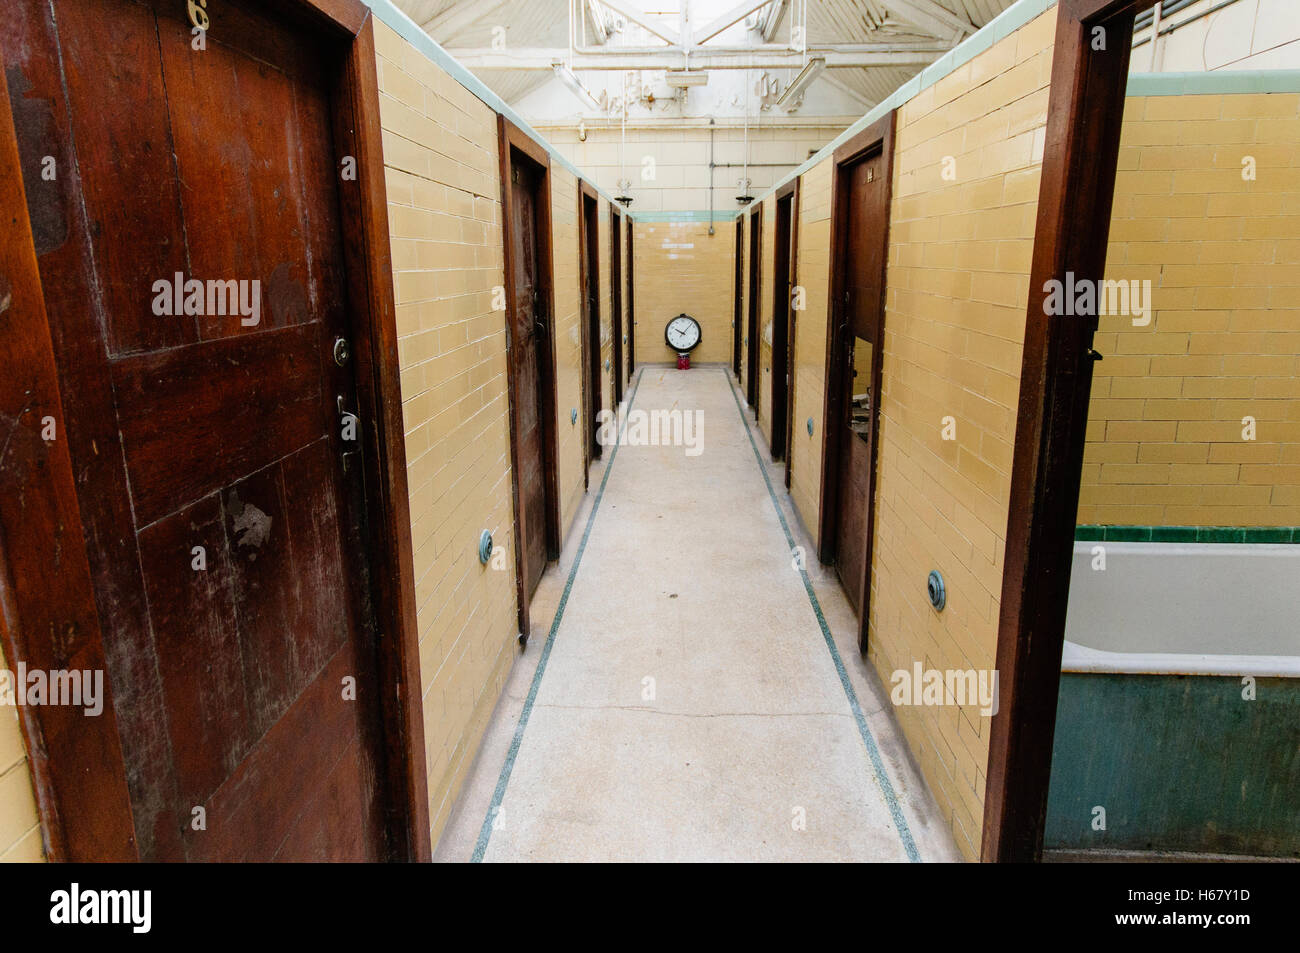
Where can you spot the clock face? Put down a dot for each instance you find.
(682, 333)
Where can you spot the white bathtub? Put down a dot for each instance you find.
(1185, 608)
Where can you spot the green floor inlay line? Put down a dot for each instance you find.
(485, 833)
(873, 751)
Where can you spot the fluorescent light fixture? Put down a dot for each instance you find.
(570, 79)
(681, 78)
(799, 85)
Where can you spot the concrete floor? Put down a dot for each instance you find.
(689, 704)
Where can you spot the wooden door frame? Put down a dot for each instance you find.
(591, 312)
(793, 321)
(511, 140)
(753, 317)
(876, 139)
(631, 310)
(781, 436)
(616, 300)
(79, 775)
(1084, 115)
(589, 376)
(738, 296)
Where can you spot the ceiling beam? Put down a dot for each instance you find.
(773, 20)
(931, 17)
(460, 17)
(611, 58)
(597, 20)
(641, 19)
(730, 18)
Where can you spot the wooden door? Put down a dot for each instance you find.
(527, 347)
(616, 305)
(781, 286)
(755, 283)
(863, 212)
(589, 248)
(216, 443)
(737, 298)
(631, 309)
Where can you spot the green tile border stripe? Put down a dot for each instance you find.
(864, 730)
(498, 795)
(1186, 534)
(1214, 82)
(410, 31)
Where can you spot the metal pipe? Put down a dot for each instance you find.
(711, 176)
(1192, 19)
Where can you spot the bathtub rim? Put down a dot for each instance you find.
(1080, 659)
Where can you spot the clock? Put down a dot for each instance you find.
(682, 333)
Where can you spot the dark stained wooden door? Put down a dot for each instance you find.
(222, 524)
(590, 246)
(755, 283)
(616, 303)
(631, 309)
(858, 350)
(781, 325)
(527, 337)
(737, 298)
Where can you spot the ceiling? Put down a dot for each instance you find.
(897, 37)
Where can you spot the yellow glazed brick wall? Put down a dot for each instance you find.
(20, 832)
(1222, 254)
(568, 341)
(957, 291)
(813, 274)
(680, 267)
(440, 153)
(765, 278)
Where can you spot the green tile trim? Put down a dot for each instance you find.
(1214, 82)
(864, 730)
(1186, 534)
(410, 31)
(999, 28)
(517, 739)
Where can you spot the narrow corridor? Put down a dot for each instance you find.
(698, 696)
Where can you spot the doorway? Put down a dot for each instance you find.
(525, 174)
(755, 283)
(616, 299)
(859, 244)
(244, 549)
(1085, 114)
(589, 277)
(737, 298)
(783, 280)
(631, 307)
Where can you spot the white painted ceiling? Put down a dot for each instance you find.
(469, 26)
